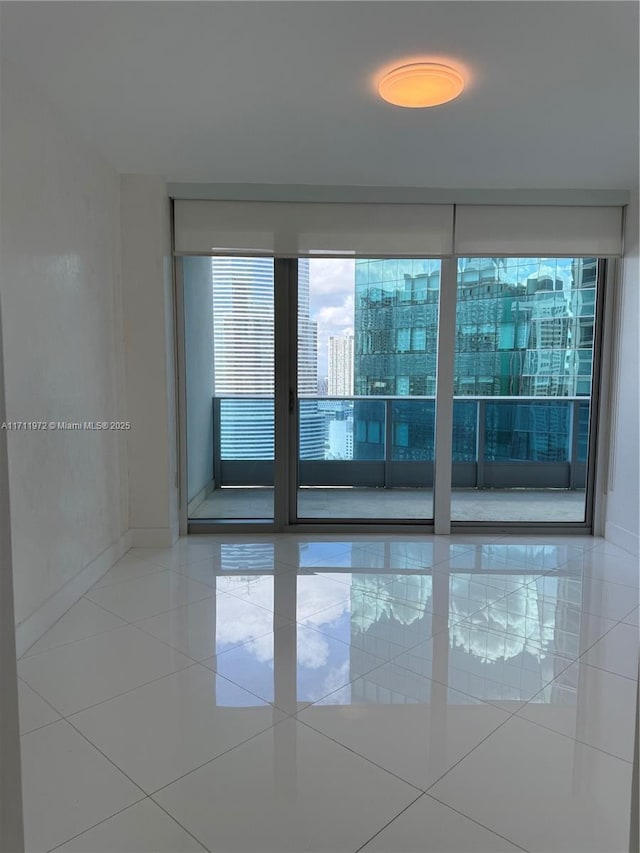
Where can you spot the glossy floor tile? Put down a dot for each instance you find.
(82, 620)
(373, 625)
(34, 711)
(591, 705)
(492, 666)
(89, 671)
(132, 565)
(187, 550)
(608, 563)
(143, 827)
(562, 545)
(502, 557)
(407, 724)
(313, 593)
(310, 665)
(431, 827)
(210, 626)
(159, 732)
(543, 791)
(286, 790)
(591, 595)
(146, 596)
(557, 627)
(372, 617)
(339, 693)
(386, 613)
(67, 786)
(617, 651)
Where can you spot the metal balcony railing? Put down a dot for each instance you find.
(498, 442)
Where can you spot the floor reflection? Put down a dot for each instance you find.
(492, 622)
(274, 692)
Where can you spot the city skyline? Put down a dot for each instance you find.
(524, 327)
(243, 315)
(333, 307)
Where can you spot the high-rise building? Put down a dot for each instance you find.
(243, 329)
(311, 432)
(340, 365)
(243, 326)
(244, 355)
(395, 327)
(524, 327)
(395, 331)
(323, 386)
(340, 438)
(307, 336)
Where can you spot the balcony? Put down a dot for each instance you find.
(514, 458)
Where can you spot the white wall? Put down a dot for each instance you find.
(622, 524)
(62, 326)
(149, 360)
(11, 835)
(198, 344)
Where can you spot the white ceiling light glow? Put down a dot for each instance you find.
(421, 84)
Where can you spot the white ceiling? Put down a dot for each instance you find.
(281, 92)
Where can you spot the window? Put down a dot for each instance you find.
(522, 375)
(419, 340)
(402, 386)
(403, 340)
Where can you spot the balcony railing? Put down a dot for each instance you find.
(498, 442)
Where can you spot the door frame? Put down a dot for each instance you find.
(286, 422)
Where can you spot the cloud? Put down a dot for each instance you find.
(337, 685)
(337, 316)
(316, 595)
(262, 648)
(239, 620)
(331, 275)
(313, 649)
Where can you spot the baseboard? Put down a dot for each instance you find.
(623, 538)
(201, 496)
(38, 623)
(153, 537)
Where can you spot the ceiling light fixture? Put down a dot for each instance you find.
(421, 84)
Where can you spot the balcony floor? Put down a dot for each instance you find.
(468, 504)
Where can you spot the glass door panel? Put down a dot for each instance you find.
(229, 359)
(522, 388)
(367, 345)
(365, 408)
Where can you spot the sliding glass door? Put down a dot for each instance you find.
(366, 370)
(523, 382)
(344, 429)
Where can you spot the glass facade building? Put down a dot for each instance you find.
(396, 327)
(524, 328)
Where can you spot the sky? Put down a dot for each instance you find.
(331, 292)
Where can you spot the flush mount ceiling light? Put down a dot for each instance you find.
(421, 84)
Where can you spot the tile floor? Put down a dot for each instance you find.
(293, 693)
